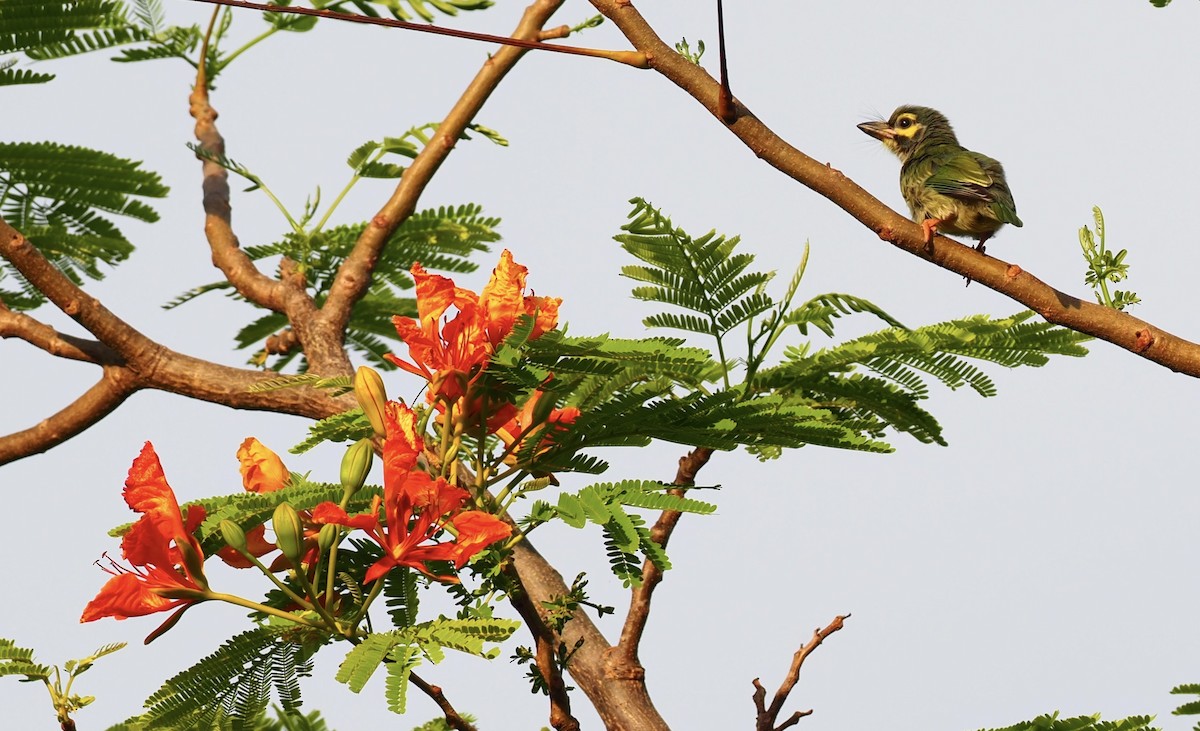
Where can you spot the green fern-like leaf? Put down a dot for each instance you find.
(1052, 722)
(347, 426)
(702, 275)
(58, 195)
(231, 687)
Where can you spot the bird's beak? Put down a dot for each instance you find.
(879, 130)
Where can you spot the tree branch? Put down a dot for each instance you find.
(766, 717)
(1119, 328)
(97, 402)
(354, 276)
(42, 336)
(639, 600)
(457, 722)
(545, 641)
(616, 690)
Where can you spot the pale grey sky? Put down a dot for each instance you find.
(1045, 560)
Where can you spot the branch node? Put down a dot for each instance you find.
(1143, 339)
(1013, 271)
(887, 234)
(381, 221)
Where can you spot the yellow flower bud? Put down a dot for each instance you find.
(356, 465)
(371, 395)
(289, 533)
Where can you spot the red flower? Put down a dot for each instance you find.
(453, 355)
(167, 561)
(416, 509)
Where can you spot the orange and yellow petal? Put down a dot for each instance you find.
(262, 470)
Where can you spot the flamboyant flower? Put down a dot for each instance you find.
(451, 355)
(166, 559)
(528, 420)
(416, 509)
(262, 471)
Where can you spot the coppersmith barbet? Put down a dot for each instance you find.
(948, 188)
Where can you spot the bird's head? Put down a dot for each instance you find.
(909, 129)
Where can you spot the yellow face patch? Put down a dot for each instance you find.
(907, 126)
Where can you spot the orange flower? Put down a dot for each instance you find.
(262, 471)
(451, 356)
(416, 508)
(167, 561)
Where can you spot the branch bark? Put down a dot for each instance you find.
(40, 335)
(1119, 328)
(456, 721)
(639, 600)
(766, 717)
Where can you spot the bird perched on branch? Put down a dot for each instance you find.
(948, 188)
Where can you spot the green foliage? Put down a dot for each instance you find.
(683, 49)
(846, 395)
(34, 26)
(59, 196)
(232, 687)
(876, 381)
(1191, 708)
(19, 661)
(1105, 267)
(625, 535)
(409, 10)
(401, 650)
(348, 426)
(1052, 722)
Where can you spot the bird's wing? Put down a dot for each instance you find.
(970, 176)
(963, 175)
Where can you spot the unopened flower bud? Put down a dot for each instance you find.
(327, 536)
(289, 534)
(233, 535)
(371, 395)
(356, 465)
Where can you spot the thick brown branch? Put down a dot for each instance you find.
(639, 600)
(617, 691)
(40, 335)
(766, 717)
(97, 402)
(1118, 328)
(354, 276)
(456, 721)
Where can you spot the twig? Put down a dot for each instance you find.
(1119, 328)
(545, 641)
(456, 721)
(639, 600)
(117, 384)
(766, 717)
(629, 58)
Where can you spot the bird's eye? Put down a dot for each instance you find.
(904, 123)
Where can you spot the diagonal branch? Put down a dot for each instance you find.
(1119, 328)
(639, 600)
(121, 337)
(116, 385)
(354, 276)
(42, 336)
(545, 641)
(766, 717)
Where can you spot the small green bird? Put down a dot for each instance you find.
(947, 187)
